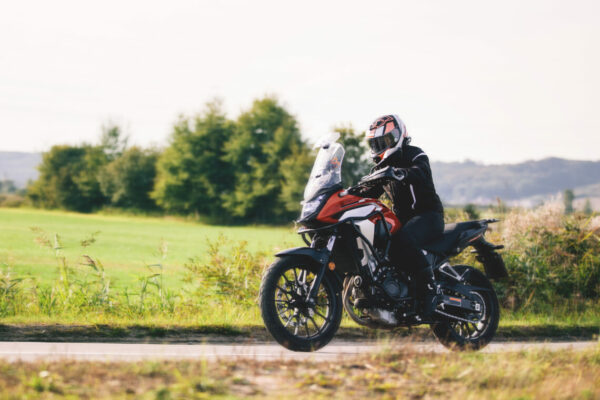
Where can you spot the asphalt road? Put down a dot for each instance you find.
(36, 351)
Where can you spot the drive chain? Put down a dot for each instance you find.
(455, 317)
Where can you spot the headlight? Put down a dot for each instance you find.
(309, 207)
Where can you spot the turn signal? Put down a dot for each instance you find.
(331, 265)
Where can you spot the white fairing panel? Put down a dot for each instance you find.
(358, 212)
(367, 228)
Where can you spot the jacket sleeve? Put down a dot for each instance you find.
(420, 170)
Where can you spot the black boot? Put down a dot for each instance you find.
(429, 292)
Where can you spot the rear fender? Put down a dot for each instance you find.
(471, 236)
(467, 239)
(493, 264)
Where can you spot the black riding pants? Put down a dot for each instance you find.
(405, 249)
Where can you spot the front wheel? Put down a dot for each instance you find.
(294, 322)
(476, 330)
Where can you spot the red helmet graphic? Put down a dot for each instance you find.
(385, 136)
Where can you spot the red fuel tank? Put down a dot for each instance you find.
(340, 202)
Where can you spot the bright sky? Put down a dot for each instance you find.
(488, 81)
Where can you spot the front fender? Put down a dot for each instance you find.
(320, 256)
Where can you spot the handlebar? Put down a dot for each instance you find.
(377, 178)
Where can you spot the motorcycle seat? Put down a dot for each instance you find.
(452, 239)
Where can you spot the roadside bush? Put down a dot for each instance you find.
(232, 272)
(11, 293)
(11, 200)
(551, 258)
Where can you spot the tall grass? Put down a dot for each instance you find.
(229, 278)
(553, 262)
(11, 293)
(552, 259)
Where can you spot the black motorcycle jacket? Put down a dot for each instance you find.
(415, 194)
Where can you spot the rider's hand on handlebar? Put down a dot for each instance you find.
(353, 190)
(399, 173)
(381, 175)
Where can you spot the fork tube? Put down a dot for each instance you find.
(314, 287)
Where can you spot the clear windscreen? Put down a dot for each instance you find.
(327, 170)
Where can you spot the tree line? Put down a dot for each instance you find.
(249, 169)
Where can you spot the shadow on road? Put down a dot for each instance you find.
(256, 334)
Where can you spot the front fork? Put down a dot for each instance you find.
(314, 287)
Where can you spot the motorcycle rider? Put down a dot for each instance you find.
(415, 202)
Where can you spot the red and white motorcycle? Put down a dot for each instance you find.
(346, 266)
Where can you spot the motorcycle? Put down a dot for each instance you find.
(346, 266)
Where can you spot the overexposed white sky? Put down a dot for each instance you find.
(489, 81)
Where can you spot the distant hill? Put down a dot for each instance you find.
(527, 184)
(19, 167)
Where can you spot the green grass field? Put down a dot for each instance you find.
(124, 244)
(220, 296)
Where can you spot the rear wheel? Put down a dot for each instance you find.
(292, 321)
(476, 330)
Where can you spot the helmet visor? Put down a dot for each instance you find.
(384, 142)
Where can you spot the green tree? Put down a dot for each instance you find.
(69, 178)
(192, 175)
(267, 142)
(356, 160)
(128, 180)
(7, 186)
(295, 171)
(113, 140)
(568, 198)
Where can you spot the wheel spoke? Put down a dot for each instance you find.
(302, 277)
(315, 324)
(468, 329)
(306, 328)
(290, 305)
(288, 282)
(282, 289)
(322, 316)
(284, 305)
(284, 311)
(288, 296)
